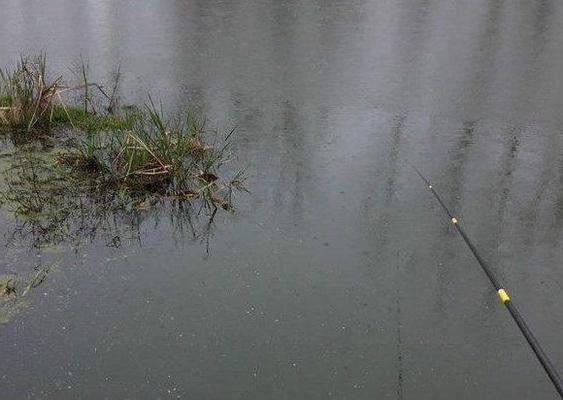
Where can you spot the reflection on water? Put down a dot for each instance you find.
(49, 209)
(51, 213)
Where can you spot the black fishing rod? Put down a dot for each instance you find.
(502, 294)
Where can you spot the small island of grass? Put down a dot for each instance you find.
(138, 151)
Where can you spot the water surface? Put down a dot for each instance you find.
(338, 276)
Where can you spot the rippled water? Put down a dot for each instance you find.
(338, 276)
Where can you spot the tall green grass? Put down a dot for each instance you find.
(27, 93)
(30, 99)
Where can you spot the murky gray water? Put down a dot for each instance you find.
(338, 277)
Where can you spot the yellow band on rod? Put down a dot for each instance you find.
(454, 220)
(503, 296)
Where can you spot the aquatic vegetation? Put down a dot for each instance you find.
(85, 172)
(93, 165)
(7, 284)
(15, 288)
(27, 94)
(52, 204)
(139, 151)
(30, 100)
(160, 156)
(37, 277)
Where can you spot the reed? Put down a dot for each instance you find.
(29, 100)
(27, 94)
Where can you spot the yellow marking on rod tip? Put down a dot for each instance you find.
(454, 220)
(503, 296)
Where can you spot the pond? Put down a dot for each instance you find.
(337, 276)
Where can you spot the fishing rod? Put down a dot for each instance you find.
(502, 294)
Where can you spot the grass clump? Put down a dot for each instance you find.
(158, 155)
(7, 284)
(15, 288)
(29, 99)
(27, 96)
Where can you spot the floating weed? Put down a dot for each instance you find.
(7, 284)
(38, 276)
(14, 290)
